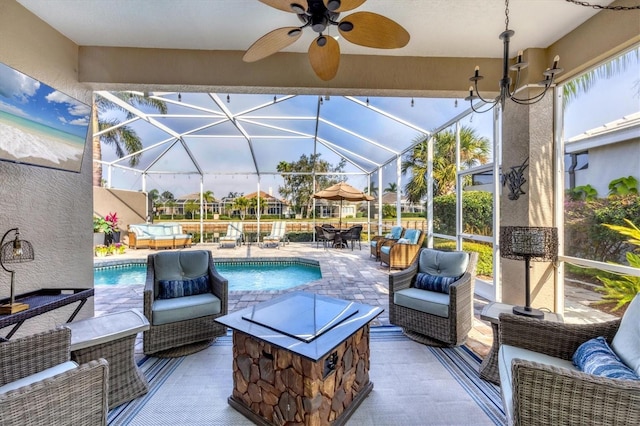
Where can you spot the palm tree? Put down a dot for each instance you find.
(373, 187)
(474, 150)
(124, 139)
(207, 197)
(154, 196)
(241, 203)
(168, 200)
(572, 89)
(391, 187)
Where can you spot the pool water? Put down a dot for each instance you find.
(242, 276)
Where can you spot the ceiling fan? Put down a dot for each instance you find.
(363, 28)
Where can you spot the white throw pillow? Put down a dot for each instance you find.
(626, 342)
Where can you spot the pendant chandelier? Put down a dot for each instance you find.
(507, 91)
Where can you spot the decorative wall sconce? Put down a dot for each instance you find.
(515, 179)
(16, 251)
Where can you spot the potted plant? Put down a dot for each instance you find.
(101, 250)
(100, 229)
(113, 236)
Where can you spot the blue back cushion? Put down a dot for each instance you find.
(396, 232)
(170, 289)
(412, 235)
(596, 357)
(443, 263)
(437, 283)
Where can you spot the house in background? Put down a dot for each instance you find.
(600, 155)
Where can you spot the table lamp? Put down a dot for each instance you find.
(16, 251)
(528, 243)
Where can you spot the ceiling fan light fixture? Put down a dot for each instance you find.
(333, 5)
(321, 41)
(297, 8)
(319, 23)
(345, 26)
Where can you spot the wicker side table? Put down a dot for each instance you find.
(491, 313)
(112, 337)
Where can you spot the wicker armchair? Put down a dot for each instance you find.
(429, 328)
(376, 241)
(401, 253)
(77, 396)
(545, 394)
(196, 313)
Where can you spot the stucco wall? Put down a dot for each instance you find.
(130, 207)
(610, 162)
(52, 208)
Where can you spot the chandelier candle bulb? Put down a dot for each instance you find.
(520, 56)
(555, 61)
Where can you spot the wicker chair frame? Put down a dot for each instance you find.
(168, 336)
(75, 397)
(432, 329)
(545, 395)
(400, 255)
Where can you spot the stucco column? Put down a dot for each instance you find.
(528, 133)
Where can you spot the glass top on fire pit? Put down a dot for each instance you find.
(300, 315)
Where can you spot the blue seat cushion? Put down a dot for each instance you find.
(166, 311)
(168, 289)
(385, 249)
(429, 302)
(437, 283)
(596, 357)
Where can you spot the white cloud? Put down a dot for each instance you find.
(84, 121)
(14, 84)
(12, 109)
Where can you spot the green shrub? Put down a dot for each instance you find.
(477, 207)
(586, 237)
(624, 288)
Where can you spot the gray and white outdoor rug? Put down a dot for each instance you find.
(413, 385)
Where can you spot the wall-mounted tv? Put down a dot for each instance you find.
(40, 125)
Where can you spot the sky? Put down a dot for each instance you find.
(25, 97)
(607, 101)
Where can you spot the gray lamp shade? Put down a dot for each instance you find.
(534, 242)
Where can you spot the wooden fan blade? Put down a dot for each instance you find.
(345, 5)
(373, 30)
(286, 4)
(325, 59)
(271, 43)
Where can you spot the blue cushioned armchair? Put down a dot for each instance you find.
(180, 309)
(439, 317)
(376, 242)
(400, 253)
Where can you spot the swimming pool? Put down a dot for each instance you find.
(254, 275)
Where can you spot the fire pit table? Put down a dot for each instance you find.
(300, 358)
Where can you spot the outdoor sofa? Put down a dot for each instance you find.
(158, 235)
(41, 386)
(542, 384)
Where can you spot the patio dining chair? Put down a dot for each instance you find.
(353, 235)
